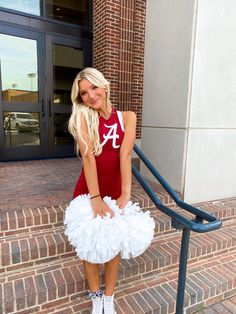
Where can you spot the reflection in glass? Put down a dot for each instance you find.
(21, 128)
(69, 11)
(18, 69)
(61, 133)
(29, 6)
(67, 62)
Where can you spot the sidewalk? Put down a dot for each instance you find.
(43, 183)
(224, 307)
(37, 183)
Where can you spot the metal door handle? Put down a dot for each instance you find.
(50, 108)
(43, 108)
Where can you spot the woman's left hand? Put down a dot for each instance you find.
(123, 200)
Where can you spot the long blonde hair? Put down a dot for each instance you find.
(90, 115)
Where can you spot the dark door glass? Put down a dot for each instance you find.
(67, 62)
(70, 11)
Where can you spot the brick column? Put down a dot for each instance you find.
(118, 50)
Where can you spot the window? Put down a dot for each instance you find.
(18, 69)
(70, 11)
(26, 6)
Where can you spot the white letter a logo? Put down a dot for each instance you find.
(111, 135)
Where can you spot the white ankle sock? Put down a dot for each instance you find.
(109, 304)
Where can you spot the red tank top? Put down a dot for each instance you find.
(108, 162)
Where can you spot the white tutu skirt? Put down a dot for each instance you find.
(98, 240)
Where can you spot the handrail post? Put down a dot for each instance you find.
(182, 270)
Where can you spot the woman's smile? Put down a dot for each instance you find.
(91, 95)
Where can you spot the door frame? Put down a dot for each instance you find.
(50, 40)
(36, 151)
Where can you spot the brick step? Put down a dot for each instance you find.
(37, 219)
(30, 220)
(207, 282)
(63, 278)
(39, 247)
(33, 248)
(38, 214)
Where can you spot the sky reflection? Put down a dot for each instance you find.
(18, 57)
(26, 6)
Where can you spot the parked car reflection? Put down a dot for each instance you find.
(21, 122)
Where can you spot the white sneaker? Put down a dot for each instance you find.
(97, 305)
(108, 303)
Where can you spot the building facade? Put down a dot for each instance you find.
(189, 109)
(43, 45)
(169, 61)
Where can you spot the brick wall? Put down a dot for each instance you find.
(118, 50)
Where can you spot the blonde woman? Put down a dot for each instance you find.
(104, 139)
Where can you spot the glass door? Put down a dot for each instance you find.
(36, 75)
(22, 92)
(65, 58)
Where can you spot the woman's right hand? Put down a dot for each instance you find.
(101, 208)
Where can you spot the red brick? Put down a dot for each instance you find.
(78, 278)
(1, 299)
(50, 245)
(133, 304)
(61, 284)
(24, 250)
(55, 303)
(12, 220)
(20, 219)
(70, 283)
(30, 291)
(8, 297)
(35, 309)
(36, 217)
(41, 289)
(42, 245)
(15, 249)
(34, 253)
(20, 294)
(28, 217)
(5, 254)
(51, 286)
(3, 221)
(44, 216)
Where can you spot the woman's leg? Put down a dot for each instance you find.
(92, 275)
(111, 271)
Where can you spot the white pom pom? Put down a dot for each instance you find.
(99, 240)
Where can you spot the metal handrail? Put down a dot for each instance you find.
(178, 221)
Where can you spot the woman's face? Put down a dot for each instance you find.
(91, 95)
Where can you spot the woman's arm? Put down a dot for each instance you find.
(90, 171)
(126, 149)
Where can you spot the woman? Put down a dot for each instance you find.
(104, 139)
(106, 163)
